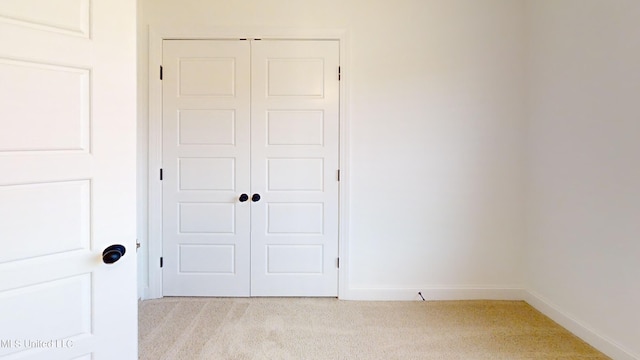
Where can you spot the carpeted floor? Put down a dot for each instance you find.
(302, 328)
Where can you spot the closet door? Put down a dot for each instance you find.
(294, 168)
(206, 149)
(258, 118)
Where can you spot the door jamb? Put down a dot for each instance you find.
(156, 37)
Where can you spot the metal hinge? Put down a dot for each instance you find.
(160, 72)
(160, 174)
(338, 263)
(161, 262)
(339, 73)
(338, 174)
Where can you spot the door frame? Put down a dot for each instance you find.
(156, 36)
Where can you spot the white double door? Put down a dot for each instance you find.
(250, 167)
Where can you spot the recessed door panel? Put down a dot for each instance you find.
(294, 259)
(206, 127)
(295, 174)
(207, 218)
(216, 259)
(66, 16)
(65, 314)
(61, 119)
(295, 76)
(295, 127)
(206, 173)
(206, 76)
(64, 214)
(295, 218)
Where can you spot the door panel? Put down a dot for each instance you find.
(71, 227)
(299, 76)
(67, 185)
(295, 127)
(206, 127)
(294, 163)
(62, 113)
(72, 17)
(206, 167)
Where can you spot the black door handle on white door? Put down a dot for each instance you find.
(113, 253)
(244, 197)
(255, 197)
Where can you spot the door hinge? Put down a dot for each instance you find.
(338, 174)
(160, 174)
(160, 72)
(339, 73)
(338, 263)
(161, 262)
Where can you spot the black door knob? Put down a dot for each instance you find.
(113, 253)
(244, 197)
(255, 197)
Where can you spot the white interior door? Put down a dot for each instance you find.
(67, 184)
(294, 168)
(206, 153)
(260, 119)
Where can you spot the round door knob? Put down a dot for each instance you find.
(255, 197)
(113, 253)
(244, 197)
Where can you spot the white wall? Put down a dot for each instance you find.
(438, 138)
(436, 116)
(436, 126)
(583, 249)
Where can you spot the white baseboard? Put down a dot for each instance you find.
(590, 336)
(144, 295)
(430, 293)
(148, 295)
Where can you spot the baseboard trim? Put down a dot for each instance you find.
(590, 336)
(144, 295)
(433, 294)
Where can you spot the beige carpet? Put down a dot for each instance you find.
(293, 328)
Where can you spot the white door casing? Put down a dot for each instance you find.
(292, 133)
(67, 185)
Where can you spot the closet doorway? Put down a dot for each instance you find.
(250, 159)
